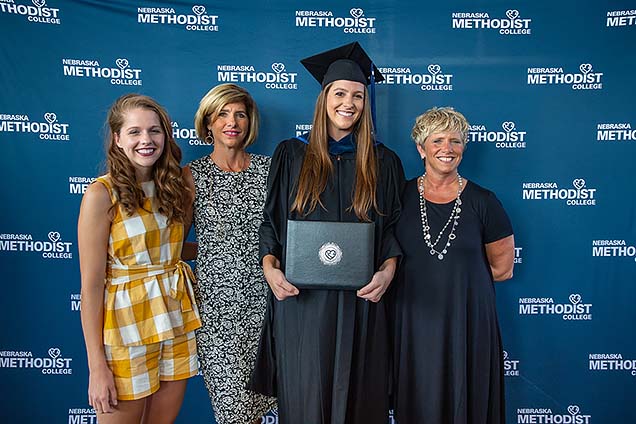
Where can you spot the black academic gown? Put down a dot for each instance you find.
(325, 353)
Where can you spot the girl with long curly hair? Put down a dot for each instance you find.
(138, 313)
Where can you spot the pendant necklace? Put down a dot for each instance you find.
(454, 218)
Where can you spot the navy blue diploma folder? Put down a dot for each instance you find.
(329, 255)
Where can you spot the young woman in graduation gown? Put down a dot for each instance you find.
(325, 353)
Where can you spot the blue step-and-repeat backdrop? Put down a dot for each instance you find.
(548, 86)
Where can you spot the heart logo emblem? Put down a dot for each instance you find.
(54, 236)
(508, 126)
(330, 254)
(573, 409)
(278, 67)
(50, 117)
(505, 354)
(512, 14)
(39, 3)
(578, 183)
(575, 298)
(122, 63)
(356, 12)
(54, 352)
(434, 69)
(585, 68)
(199, 10)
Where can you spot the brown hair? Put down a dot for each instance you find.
(317, 166)
(219, 97)
(171, 190)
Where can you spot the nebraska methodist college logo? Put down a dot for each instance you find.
(38, 12)
(621, 18)
(120, 74)
(611, 362)
(586, 79)
(615, 132)
(573, 415)
(276, 79)
(511, 366)
(578, 195)
(511, 24)
(510, 138)
(576, 310)
(78, 185)
(48, 129)
(198, 20)
(301, 129)
(55, 363)
(76, 302)
(355, 23)
(81, 416)
(186, 135)
(434, 80)
(518, 255)
(613, 249)
(53, 248)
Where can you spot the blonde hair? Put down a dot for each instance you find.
(171, 190)
(219, 97)
(436, 120)
(317, 166)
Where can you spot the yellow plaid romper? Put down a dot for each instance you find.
(148, 295)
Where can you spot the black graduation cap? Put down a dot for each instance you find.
(349, 62)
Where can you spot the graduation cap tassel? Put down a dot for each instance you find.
(372, 93)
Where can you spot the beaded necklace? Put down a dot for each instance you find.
(454, 218)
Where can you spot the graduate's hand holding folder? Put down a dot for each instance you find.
(281, 288)
(380, 281)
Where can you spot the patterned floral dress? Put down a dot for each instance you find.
(230, 290)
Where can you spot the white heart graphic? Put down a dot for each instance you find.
(54, 352)
(512, 14)
(508, 126)
(573, 409)
(585, 68)
(356, 12)
(575, 298)
(54, 236)
(50, 117)
(434, 69)
(39, 3)
(578, 183)
(330, 254)
(122, 63)
(505, 354)
(198, 9)
(278, 67)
